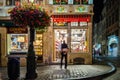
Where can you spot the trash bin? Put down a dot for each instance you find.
(13, 68)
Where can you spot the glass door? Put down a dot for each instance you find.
(59, 36)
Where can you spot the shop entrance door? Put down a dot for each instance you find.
(59, 36)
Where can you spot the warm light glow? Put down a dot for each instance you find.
(31, 0)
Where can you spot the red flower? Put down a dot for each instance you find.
(29, 16)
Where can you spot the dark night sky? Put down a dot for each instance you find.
(98, 5)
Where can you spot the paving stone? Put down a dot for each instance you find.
(54, 72)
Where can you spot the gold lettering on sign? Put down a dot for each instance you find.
(17, 30)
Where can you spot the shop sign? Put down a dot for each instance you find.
(71, 19)
(17, 30)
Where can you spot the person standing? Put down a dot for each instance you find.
(64, 51)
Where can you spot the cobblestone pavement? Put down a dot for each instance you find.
(116, 62)
(54, 72)
(115, 76)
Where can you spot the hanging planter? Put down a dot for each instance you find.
(30, 15)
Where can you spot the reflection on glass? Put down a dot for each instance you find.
(78, 40)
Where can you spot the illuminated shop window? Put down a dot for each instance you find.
(83, 24)
(17, 42)
(78, 40)
(60, 36)
(74, 23)
(38, 44)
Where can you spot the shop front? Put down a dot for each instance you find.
(17, 43)
(75, 30)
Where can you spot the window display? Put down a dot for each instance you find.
(38, 46)
(60, 36)
(17, 43)
(78, 40)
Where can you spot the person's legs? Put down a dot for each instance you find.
(66, 61)
(61, 60)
